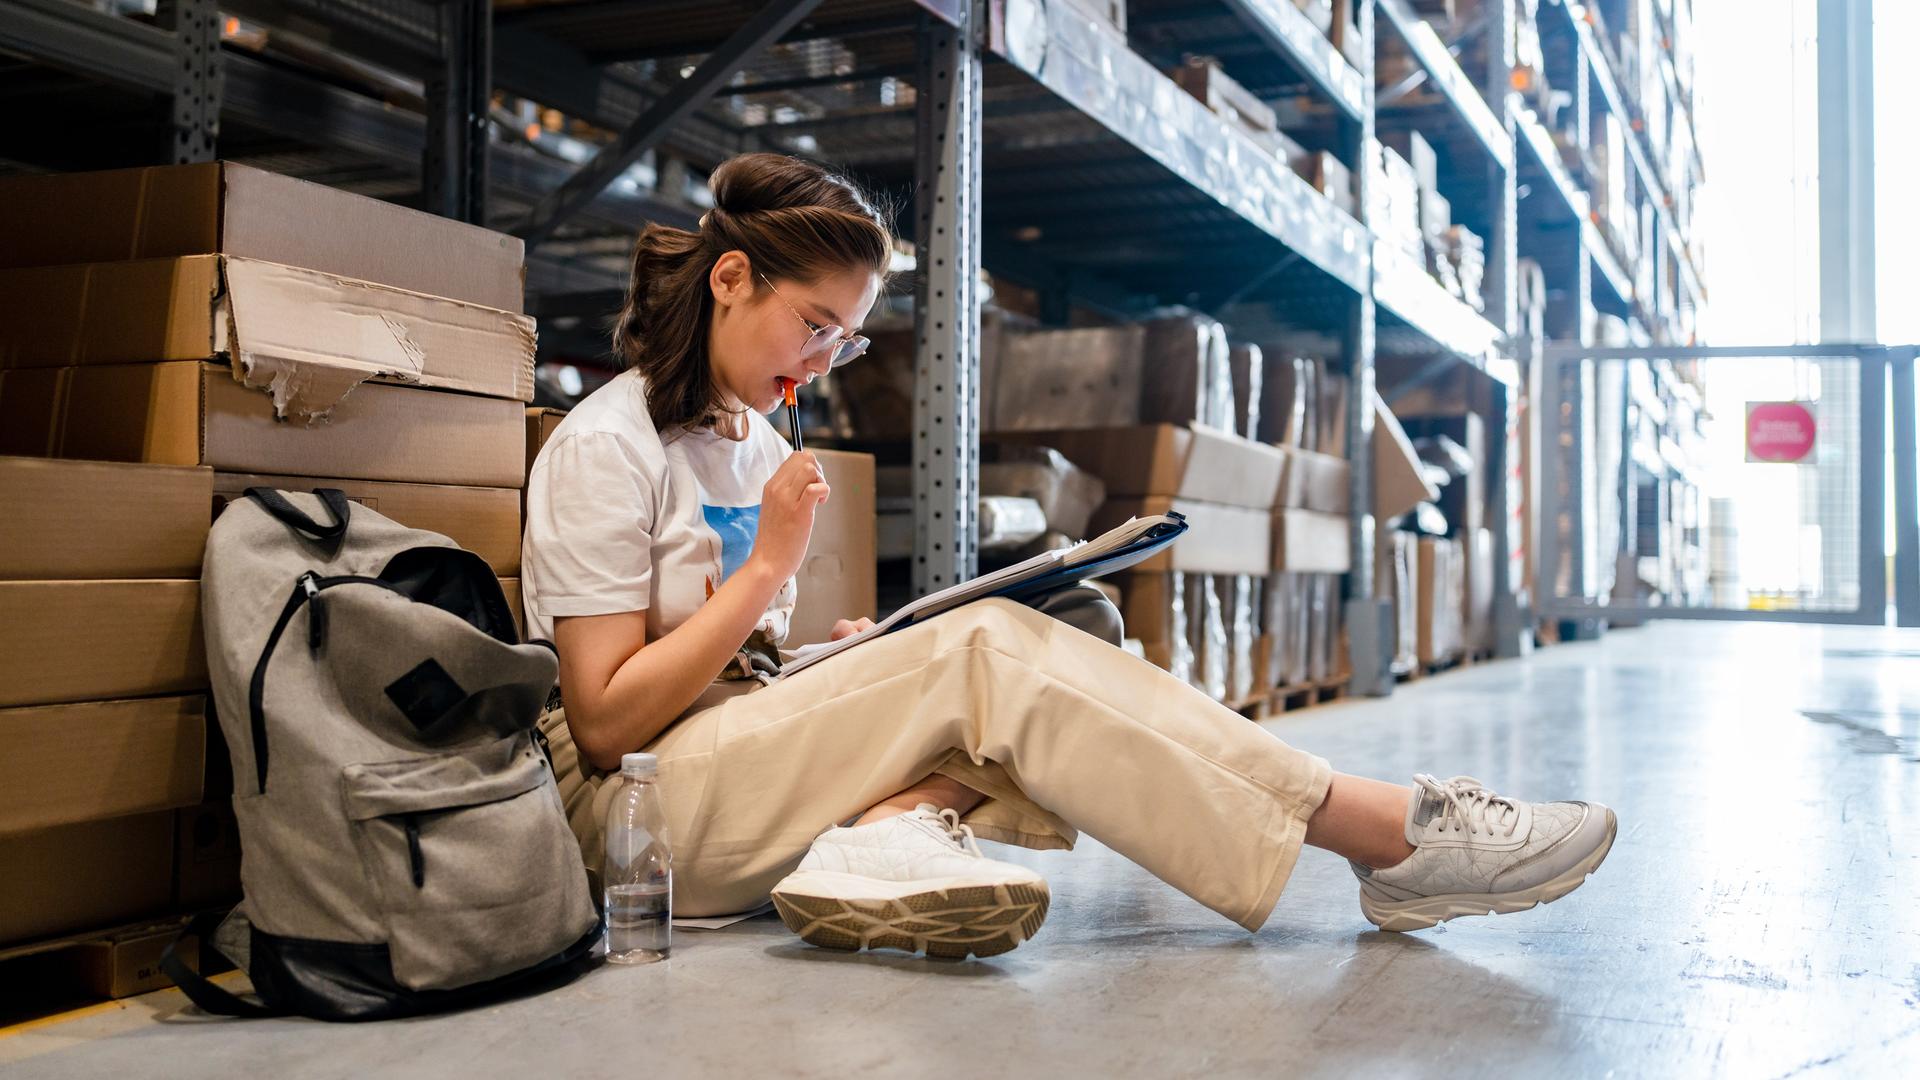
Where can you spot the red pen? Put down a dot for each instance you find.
(793, 412)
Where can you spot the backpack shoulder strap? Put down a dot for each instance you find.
(199, 989)
(335, 500)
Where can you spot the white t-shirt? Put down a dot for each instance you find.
(615, 526)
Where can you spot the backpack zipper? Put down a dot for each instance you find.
(306, 589)
(415, 857)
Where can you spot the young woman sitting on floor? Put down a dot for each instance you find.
(665, 522)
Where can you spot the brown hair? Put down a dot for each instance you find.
(793, 219)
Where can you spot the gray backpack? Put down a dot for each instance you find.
(403, 847)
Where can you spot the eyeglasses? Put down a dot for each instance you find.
(829, 341)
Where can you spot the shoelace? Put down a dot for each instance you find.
(1470, 805)
(948, 822)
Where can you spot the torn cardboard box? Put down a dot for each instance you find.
(221, 208)
(189, 413)
(65, 641)
(306, 337)
(485, 521)
(1190, 462)
(69, 519)
(100, 759)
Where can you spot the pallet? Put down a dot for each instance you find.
(44, 977)
(1262, 706)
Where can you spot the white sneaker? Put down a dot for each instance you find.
(915, 882)
(1477, 853)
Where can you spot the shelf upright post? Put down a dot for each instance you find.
(453, 166)
(946, 302)
(1371, 627)
(194, 128)
(1501, 295)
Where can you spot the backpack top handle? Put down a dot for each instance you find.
(297, 519)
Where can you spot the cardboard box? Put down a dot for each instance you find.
(1396, 579)
(1191, 462)
(128, 962)
(1330, 400)
(1442, 588)
(308, 337)
(1203, 78)
(206, 863)
(1398, 483)
(221, 208)
(1305, 541)
(1346, 37)
(511, 586)
(1186, 373)
(1313, 481)
(1066, 378)
(102, 759)
(1463, 501)
(1476, 618)
(1219, 539)
(838, 580)
(1330, 176)
(485, 521)
(196, 414)
(541, 424)
(77, 876)
(1415, 150)
(1289, 411)
(1147, 606)
(70, 520)
(63, 641)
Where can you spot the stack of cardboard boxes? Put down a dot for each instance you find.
(173, 336)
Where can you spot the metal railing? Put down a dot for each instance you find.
(1726, 483)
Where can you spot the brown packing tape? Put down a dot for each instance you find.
(100, 759)
(485, 521)
(70, 520)
(64, 641)
(72, 877)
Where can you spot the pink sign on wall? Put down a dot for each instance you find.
(1779, 431)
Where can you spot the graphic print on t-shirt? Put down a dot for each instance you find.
(736, 526)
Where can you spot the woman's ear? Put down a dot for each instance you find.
(731, 279)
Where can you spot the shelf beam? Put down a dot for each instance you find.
(1456, 88)
(1285, 29)
(1087, 63)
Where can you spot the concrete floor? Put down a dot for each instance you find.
(1755, 919)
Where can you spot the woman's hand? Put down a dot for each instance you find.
(787, 505)
(848, 628)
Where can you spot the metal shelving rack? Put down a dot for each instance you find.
(1032, 137)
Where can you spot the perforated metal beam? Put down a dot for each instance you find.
(194, 133)
(687, 96)
(459, 93)
(946, 407)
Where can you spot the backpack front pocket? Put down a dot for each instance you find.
(476, 870)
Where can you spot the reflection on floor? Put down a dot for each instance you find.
(1757, 918)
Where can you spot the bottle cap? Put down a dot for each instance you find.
(639, 765)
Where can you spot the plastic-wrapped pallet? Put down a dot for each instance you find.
(1249, 376)
(1240, 635)
(1009, 521)
(1180, 658)
(1286, 410)
(1207, 633)
(1068, 495)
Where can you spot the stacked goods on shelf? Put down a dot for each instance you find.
(1203, 78)
(245, 329)
(1453, 254)
(1318, 12)
(1393, 202)
(1330, 177)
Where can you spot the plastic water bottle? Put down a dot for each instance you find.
(638, 872)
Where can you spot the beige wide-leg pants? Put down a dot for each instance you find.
(1060, 730)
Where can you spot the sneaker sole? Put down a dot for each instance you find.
(950, 923)
(1399, 916)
